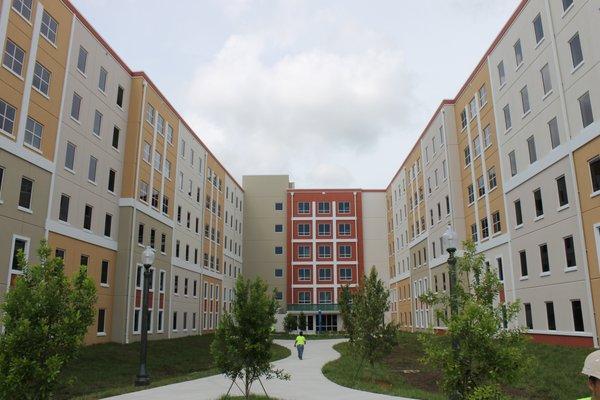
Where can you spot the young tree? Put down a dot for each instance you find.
(302, 321)
(479, 352)
(45, 316)
(363, 316)
(290, 323)
(242, 344)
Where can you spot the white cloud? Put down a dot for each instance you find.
(269, 106)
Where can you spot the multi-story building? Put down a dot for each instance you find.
(94, 158)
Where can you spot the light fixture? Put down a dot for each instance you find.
(148, 256)
(450, 238)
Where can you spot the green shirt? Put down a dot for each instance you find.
(300, 340)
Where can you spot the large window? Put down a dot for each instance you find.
(345, 230)
(496, 224)
(82, 59)
(577, 315)
(554, 134)
(19, 244)
(345, 251)
(467, 153)
(576, 52)
(33, 133)
(41, 78)
(531, 149)
(101, 317)
(324, 251)
(512, 159)
(528, 316)
(539, 204)
(92, 167)
(518, 53)
(87, 217)
(546, 79)
(23, 7)
(104, 273)
(523, 261)
(324, 229)
(304, 297)
(49, 27)
(325, 298)
(107, 225)
(344, 207)
(538, 28)
(518, 213)
(14, 57)
(304, 274)
(303, 207)
(345, 274)
(507, 118)
(120, 95)
(25, 193)
(304, 251)
(492, 182)
(7, 117)
(63, 213)
(501, 73)
(544, 260)
(570, 252)
(303, 229)
(324, 274)
(97, 129)
(585, 106)
(561, 186)
(550, 316)
(324, 207)
(595, 173)
(115, 138)
(75, 106)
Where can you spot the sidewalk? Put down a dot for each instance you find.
(307, 381)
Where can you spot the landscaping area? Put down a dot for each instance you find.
(110, 369)
(555, 373)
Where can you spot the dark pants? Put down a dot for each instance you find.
(300, 349)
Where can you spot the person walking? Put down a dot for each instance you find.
(299, 344)
(591, 368)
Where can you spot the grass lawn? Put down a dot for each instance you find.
(110, 369)
(555, 373)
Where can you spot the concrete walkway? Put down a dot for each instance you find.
(306, 383)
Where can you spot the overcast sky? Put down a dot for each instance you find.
(333, 93)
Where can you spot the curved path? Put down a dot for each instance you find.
(307, 381)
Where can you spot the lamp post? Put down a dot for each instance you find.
(450, 241)
(142, 378)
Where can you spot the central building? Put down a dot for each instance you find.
(310, 243)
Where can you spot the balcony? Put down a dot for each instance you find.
(313, 307)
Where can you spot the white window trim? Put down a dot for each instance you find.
(12, 249)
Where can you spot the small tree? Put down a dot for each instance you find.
(45, 316)
(302, 321)
(243, 340)
(363, 315)
(485, 354)
(290, 323)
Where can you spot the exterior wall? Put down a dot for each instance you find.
(374, 233)
(261, 216)
(233, 239)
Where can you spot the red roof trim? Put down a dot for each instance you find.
(142, 74)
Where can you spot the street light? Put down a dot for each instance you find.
(450, 241)
(143, 379)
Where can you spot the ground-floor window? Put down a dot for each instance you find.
(327, 322)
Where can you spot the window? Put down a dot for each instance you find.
(278, 272)
(570, 252)
(554, 135)
(278, 206)
(482, 93)
(345, 251)
(75, 106)
(507, 119)
(470, 194)
(324, 229)
(112, 174)
(7, 117)
(467, 152)
(33, 133)
(448, 205)
(546, 80)
(474, 236)
(25, 193)
(538, 28)
(325, 274)
(120, 92)
(107, 225)
(492, 182)
(344, 207)
(150, 112)
(501, 74)
(585, 105)
(143, 191)
(278, 228)
(463, 119)
(561, 186)
(344, 229)
(595, 173)
(480, 186)
(576, 52)
(531, 149)
(525, 100)
(102, 79)
(304, 251)
(157, 161)
(41, 78)
(518, 213)
(14, 57)
(104, 273)
(101, 316)
(472, 108)
(303, 208)
(92, 166)
(49, 27)
(63, 213)
(87, 217)
(324, 251)
(539, 205)
(476, 147)
(141, 233)
(82, 59)
(115, 137)
(324, 208)
(23, 7)
(528, 316)
(303, 230)
(485, 231)
(487, 137)
(496, 224)
(97, 123)
(550, 316)
(518, 53)
(345, 274)
(160, 125)
(513, 163)
(176, 285)
(278, 250)
(324, 297)
(147, 152)
(175, 321)
(304, 274)
(22, 245)
(523, 260)
(304, 297)
(577, 315)
(182, 148)
(544, 260)
(500, 269)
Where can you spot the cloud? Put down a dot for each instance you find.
(272, 106)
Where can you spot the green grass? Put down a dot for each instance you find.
(292, 336)
(110, 369)
(555, 373)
